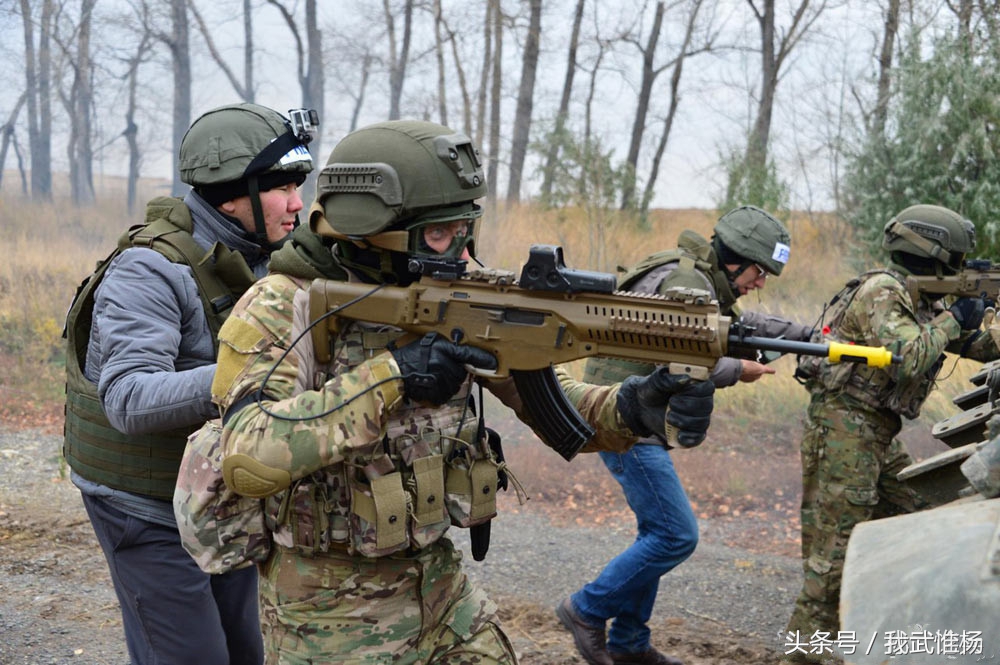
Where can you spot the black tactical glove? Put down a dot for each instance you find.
(646, 403)
(433, 368)
(968, 312)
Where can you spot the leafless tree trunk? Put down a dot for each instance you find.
(496, 90)
(243, 88)
(20, 165)
(484, 78)
(315, 92)
(79, 104)
(248, 46)
(773, 57)
(439, 54)
(990, 11)
(567, 91)
(588, 124)
(891, 27)
(37, 72)
(649, 74)
(178, 41)
(366, 68)
(463, 87)
(668, 122)
(7, 132)
(963, 10)
(525, 103)
(131, 132)
(311, 78)
(399, 55)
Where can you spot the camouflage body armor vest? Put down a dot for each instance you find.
(143, 464)
(696, 268)
(874, 387)
(432, 468)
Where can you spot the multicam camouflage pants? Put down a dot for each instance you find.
(850, 459)
(358, 611)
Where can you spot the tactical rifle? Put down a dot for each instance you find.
(979, 278)
(553, 315)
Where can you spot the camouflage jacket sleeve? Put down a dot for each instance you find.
(301, 431)
(597, 404)
(983, 345)
(882, 315)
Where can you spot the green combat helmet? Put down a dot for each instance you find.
(930, 232)
(383, 183)
(245, 149)
(756, 236)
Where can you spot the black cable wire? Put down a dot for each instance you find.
(259, 396)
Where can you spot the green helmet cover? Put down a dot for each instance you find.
(930, 231)
(396, 171)
(756, 236)
(223, 144)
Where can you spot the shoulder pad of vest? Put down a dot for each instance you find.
(695, 244)
(171, 209)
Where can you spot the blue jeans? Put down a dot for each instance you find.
(625, 591)
(173, 613)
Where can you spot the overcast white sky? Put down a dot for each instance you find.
(715, 111)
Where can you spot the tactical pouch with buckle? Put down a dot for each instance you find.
(378, 509)
(471, 483)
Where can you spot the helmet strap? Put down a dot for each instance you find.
(934, 250)
(253, 188)
(724, 253)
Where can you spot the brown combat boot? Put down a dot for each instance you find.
(590, 640)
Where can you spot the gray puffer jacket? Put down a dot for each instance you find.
(151, 351)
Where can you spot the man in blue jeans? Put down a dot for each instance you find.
(747, 246)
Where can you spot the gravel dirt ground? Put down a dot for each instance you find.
(725, 606)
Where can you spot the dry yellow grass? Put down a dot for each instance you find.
(49, 248)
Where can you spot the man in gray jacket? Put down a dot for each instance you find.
(154, 309)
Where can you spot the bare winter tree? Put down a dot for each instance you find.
(442, 88)
(178, 42)
(484, 74)
(462, 85)
(525, 102)
(38, 83)
(399, 54)
(248, 48)
(496, 88)
(567, 92)
(131, 131)
(309, 55)
(649, 73)
(7, 136)
(342, 45)
(674, 97)
(963, 11)
(890, 28)
(243, 88)
(78, 100)
(776, 45)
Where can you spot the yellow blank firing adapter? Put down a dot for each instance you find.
(873, 356)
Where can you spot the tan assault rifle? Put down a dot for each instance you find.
(554, 315)
(980, 278)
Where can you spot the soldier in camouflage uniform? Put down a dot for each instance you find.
(850, 453)
(748, 244)
(366, 457)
